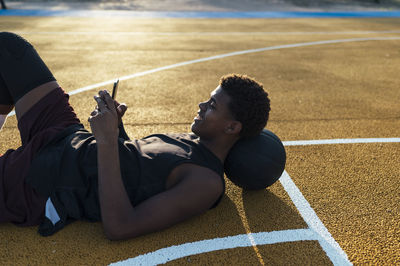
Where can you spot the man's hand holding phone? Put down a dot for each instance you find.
(104, 119)
(101, 118)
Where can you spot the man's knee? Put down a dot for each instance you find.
(13, 43)
(6, 35)
(10, 36)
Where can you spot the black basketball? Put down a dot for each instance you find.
(256, 163)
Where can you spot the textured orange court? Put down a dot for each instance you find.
(340, 81)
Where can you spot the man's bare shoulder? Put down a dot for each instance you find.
(193, 174)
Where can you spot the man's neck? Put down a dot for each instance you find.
(220, 148)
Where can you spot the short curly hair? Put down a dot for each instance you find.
(249, 103)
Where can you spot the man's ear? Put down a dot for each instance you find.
(233, 127)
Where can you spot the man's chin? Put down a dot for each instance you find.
(193, 128)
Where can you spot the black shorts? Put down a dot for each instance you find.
(21, 68)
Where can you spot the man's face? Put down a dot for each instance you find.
(213, 116)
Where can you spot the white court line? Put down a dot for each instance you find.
(339, 141)
(327, 242)
(270, 48)
(202, 33)
(175, 252)
(317, 231)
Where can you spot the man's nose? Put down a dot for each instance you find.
(202, 105)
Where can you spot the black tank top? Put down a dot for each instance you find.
(66, 170)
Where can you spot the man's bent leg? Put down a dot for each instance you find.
(33, 96)
(43, 111)
(24, 77)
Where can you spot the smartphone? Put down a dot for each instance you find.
(115, 89)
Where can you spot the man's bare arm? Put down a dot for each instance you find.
(104, 121)
(114, 202)
(193, 195)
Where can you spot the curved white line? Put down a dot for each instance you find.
(175, 252)
(270, 48)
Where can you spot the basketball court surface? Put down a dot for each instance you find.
(335, 96)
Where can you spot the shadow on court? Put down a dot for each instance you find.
(267, 212)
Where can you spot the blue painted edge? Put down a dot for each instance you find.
(181, 14)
